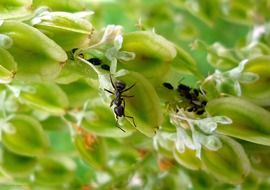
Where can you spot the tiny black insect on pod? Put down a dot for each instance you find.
(119, 101)
(168, 85)
(105, 67)
(95, 61)
(196, 102)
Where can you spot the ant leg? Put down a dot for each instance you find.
(128, 115)
(112, 103)
(126, 96)
(117, 125)
(133, 121)
(128, 88)
(108, 91)
(112, 82)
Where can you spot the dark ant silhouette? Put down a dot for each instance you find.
(119, 101)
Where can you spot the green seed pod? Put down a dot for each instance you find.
(37, 55)
(79, 92)
(16, 3)
(66, 29)
(229, 164)
(220, 57)
(144, 106)
(101, 122)
(153, 53)
(27, 137)
(47, 97)
(8, 66)
(188, 159)
(5, 41)
(54, 171)
(259, 158)
(164, 142)
(54, 123)
(92, 149)
(250, 122)
(15, 9)
(258, 91)
(74, 70)
(185, 64)
(63, 5)
(17, 165)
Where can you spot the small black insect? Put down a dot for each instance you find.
(119, 101)
(168, 85)
(184, 91)
(195, 100)
(95, 61)
(73, 52)
(105, 67)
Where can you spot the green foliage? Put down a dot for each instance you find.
(195, 110)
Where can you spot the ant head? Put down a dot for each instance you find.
(120, 85)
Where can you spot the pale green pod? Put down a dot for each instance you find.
(79, 92)
(185, 64)
(220, 57)
(47, 97)
(228, 164)
(26, 138)
(74, 70)
(188, 159)
(153, 53)
(8, 66)
(63, 5)
(101, 121)
(259, 158)
(164, 142)
(17, 165)
(258, 91)
(92, 149)
(15, 9)
(54, 170)
(144, 106)
(16, 3)
(5, 41)
(66, 29)
(37, 55)
(250, 122)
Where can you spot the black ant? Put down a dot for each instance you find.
(119, 101)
